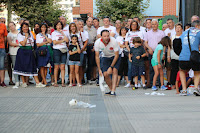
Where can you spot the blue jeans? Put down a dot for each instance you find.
(59, 57)
(2, 58)
(129, 70)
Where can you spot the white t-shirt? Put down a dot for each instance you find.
(131, 34)
(116, 35)
(30, 40)
(58, 36)
(191, 73)
(66, 30)
(111, 29)
(107, 50)
(173, 32)
(40, 38)
(120, 40)
(172, 53)
(13, 50)
(82, 37)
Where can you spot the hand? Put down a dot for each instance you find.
(168, 59)
(163, 58)
(109, 71)
(138, 57)
(150, 51)
(76, 43)
(26, 35)
(130, 60)
(65, 39)
(81, 30)
(100, 72)
(159, 66)
(92, 49)
(169, 34)
(61, 32)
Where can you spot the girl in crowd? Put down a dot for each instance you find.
(123, 68)
(13, 48)
(157, 60)
(25, 64)
(74, 60)
(133, 32)
(44, 51)
(59, 51)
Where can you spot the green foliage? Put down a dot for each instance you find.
(36, 10)
(121, 9)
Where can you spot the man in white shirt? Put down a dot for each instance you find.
(110, 60)
(107, 26)
(66, 26)
(170, 31)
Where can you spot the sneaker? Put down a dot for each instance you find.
(183, 93)
(108, 93)
(136, 87)
(24, 85)
(163, 88)
(70, 85)
(90, 82)
(79, 85)
(113, 94)
(196, 92)
(154, 88)
(11, 83)
(40, 85)
(16, 85)
(3, 85)
(139, 85)
(127, 85)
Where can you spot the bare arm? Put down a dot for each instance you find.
(149, 48)
(98, 62)
(121, 45)
(41, 44)
(112, 34)
(84, 46)
(126, 44)
(115, 59)
(10, 42)
(129, 56)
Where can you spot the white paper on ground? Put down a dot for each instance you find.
(74, 102)
(155, 93)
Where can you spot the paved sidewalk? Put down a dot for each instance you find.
(47, 110)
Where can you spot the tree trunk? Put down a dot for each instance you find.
(9, 10)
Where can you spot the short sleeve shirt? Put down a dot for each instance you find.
(13, 50)
(76, 56)
(40, 38)
(3, 34)
(30, 40)
(111, 29)
(121, 40)
(155, 53)
(107, 50)
(56, 36)
(137, 52)
(131, 34)
(194, 42)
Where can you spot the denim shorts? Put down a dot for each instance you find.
(82, 59)
(74, 63)
(2, 58)
(59, 57)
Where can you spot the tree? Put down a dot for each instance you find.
(121, 9)
(36, 10)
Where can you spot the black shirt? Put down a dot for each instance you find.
(74, 57)
(137, 52)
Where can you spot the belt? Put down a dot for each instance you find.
(26, 47)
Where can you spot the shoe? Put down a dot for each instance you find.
(136, 87)
(73, 84)
(40, 85)
(183, 93)
(11, 83)
(63, 85)
(108, 93)
(24, 85)
(127, 85)
(79, 85)
(196, 92)
(3, 85)
(97, 82)
(139, 85)
(55, 85)
(90, 82)
(154, 88)
(163, 88)
(16, 85)
(144, 87)
(68, 82)
(113, 94)
(70, 85)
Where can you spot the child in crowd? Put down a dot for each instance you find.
(74, 60)
(137, 53)
(157, 60)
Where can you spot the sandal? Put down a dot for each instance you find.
(55, 85)
(63, 85)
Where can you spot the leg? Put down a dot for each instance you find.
(183, 79)
(136, 80)
(161, 76)
(23, 79)
(77, 74)
(36, 79)
(72, 67)
(62, 68)
(114, 79)
(56, 67)
(147, 70)
(196, 78)
(2, 75)
(42, 72)
(118, 80)
(108, 80)
(156, 73)
(143, 79)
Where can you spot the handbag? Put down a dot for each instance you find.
(63, 50)
(195, 55)
(177, 45)
(42, 52)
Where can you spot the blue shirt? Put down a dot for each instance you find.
(194, 42)
(155, 53)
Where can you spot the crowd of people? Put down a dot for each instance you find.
(138, 53)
